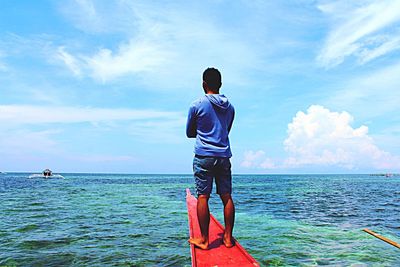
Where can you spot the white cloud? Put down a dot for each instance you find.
(357, 30)
(28, 114)
(70, 61)
(134, 57)
(105, 65)
(321, 137)
(257, 159)
(385, 45)
(162, 41)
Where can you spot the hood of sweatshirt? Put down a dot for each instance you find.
(218, 100)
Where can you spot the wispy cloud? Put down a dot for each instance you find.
(42, 94)
(364, 30)
(71, 62)
(38, 132)
(3, 66)
(41, 148)
(133, 57)
(98, 17)
(154, 44)
(385, 45)
(150, 130)
(18, 141)
(378, 88)
(32, 46)
(28, 114)
(163, 41)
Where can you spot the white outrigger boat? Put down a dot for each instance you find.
(47, 174)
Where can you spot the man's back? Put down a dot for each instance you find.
(210, 119)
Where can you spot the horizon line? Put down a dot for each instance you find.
(133, 173)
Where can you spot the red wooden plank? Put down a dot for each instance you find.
(217, 255)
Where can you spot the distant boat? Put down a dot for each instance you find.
(47, 174)
(385, 174)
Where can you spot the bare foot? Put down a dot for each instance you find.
(228, 242)
(199, 242)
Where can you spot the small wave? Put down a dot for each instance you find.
(137, 235)
(39, 216)
(27, 228)
(36, 204)
(47, 243)
(123, 222)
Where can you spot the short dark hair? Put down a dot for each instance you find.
(212, 77)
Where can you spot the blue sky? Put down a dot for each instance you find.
(104, 86)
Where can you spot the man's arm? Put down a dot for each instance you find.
(231, 122)
(191, 126)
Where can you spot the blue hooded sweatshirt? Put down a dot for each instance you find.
(210, 120)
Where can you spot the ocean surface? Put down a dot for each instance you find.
(141, 220)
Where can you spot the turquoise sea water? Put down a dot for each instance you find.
(141, 220)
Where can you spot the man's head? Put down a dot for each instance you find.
(212, 80)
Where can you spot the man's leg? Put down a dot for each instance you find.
(203, 180)
(229, 219)
(203, 216)
(224, 189)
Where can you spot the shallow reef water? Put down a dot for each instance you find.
(141, 220)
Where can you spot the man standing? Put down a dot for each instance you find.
(210, 120)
